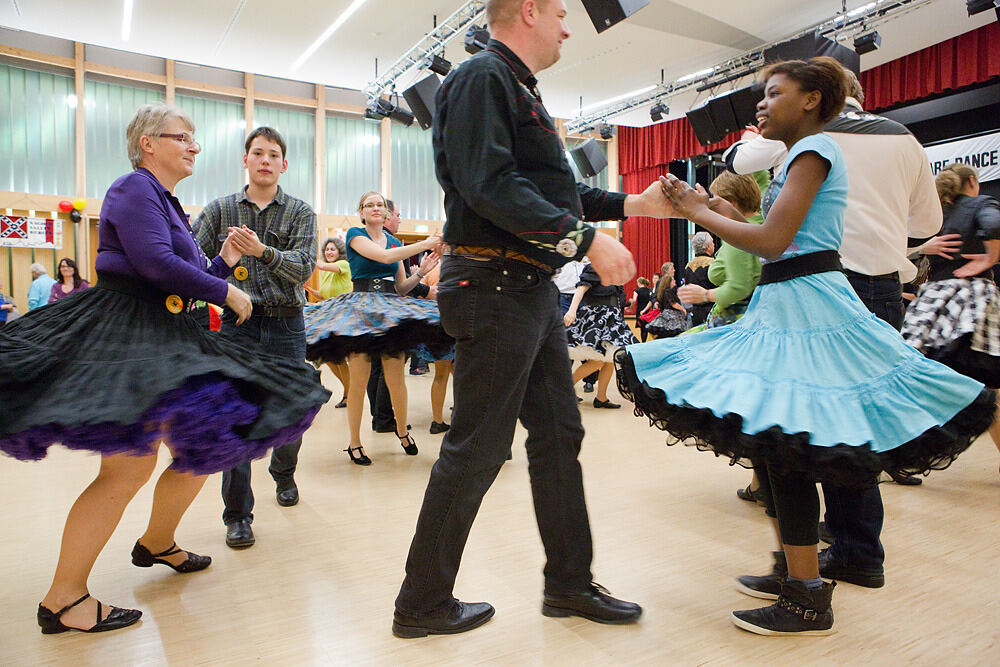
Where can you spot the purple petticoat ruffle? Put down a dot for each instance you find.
(204, 422)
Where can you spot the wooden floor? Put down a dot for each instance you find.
(669, 533)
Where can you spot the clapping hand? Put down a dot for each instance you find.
(245, 241)
(229, 253)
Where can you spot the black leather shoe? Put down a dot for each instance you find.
(605, 404)
(594, 604)
(287, 494)
(391, 428)
(51, 621)
(906, 480)
(439, 427)
(239, 534)
(824, 533)
(142, 557)
(408, 445)
(461, 616)
(831, 569)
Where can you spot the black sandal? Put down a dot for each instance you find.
(342, 404)
(141, 557)
(362, 459)
(50, 621)
(407, 443)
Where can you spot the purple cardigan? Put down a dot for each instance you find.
(145, 234)
(56, 293)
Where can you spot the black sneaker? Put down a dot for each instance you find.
(767, 587)
(833, 569)
(798, 611)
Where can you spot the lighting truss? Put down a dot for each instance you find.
(431, 44)
(840, 27)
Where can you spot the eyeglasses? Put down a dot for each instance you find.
(183, 137)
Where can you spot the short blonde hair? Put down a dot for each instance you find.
(149, 121)
(361, 202)
(740, 191)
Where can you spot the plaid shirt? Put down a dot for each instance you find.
(287, 224)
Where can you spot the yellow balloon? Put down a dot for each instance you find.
(80, 204)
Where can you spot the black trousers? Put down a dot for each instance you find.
(511, 362)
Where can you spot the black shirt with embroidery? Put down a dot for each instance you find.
(502, 165)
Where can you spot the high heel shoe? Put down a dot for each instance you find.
(408, 445)
(361, 459)
(141, 557)
(51, 621)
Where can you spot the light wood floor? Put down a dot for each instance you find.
(669, 532)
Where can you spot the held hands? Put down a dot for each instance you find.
(612, 261)
(945, 246)
(245, 240)
(686, 201)
(651, 203)
(433, 243)
(229, 254)
(239, 302)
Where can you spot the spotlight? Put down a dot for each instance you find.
(401, 115)
(476, 38)
(439, 65)
(867, 43)
(606, 131)
(379, 109)
(976, 6)
(658, 111)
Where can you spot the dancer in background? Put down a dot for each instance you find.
(213, 403)
(334, 280)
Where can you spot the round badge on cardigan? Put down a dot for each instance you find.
(241, 273)
(175, 304)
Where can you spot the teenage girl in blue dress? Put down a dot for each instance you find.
(808, 383)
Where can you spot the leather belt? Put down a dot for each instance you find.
(264, 310)
(802, 265)
(374, 285)
(611, 300)
(489, 252)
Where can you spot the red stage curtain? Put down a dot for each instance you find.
(644, 147)
(647, 238)
(961, 61)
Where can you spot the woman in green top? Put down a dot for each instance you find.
(334, 280)
(735, 273)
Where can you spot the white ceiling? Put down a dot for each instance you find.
(266, 37)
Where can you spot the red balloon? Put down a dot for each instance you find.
(65, 206)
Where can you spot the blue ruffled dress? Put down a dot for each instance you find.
(808, 380)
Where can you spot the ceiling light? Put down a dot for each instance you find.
(606, 131)
(439, 65)
(127, 21)
(658, 111)
(476, 39)
(867, 43)
(617, 98)
(353, 7)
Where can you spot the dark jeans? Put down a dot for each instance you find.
(511, 363)
(853, 516)
(383, 418)
(281, 336)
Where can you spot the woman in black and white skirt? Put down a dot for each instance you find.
(596, 329)
(955, 317)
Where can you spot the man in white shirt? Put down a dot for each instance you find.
(891, 198)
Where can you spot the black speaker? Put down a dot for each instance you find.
(606, 13)
(703, 126)
(420, 97)
(721, 113)
(589, 158)
(744, 103)
(811, 45)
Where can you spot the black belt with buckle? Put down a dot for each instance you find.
(374, 285)
(142, 290)
(800, 265)
(264, 310)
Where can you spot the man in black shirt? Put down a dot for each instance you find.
(515, 214)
